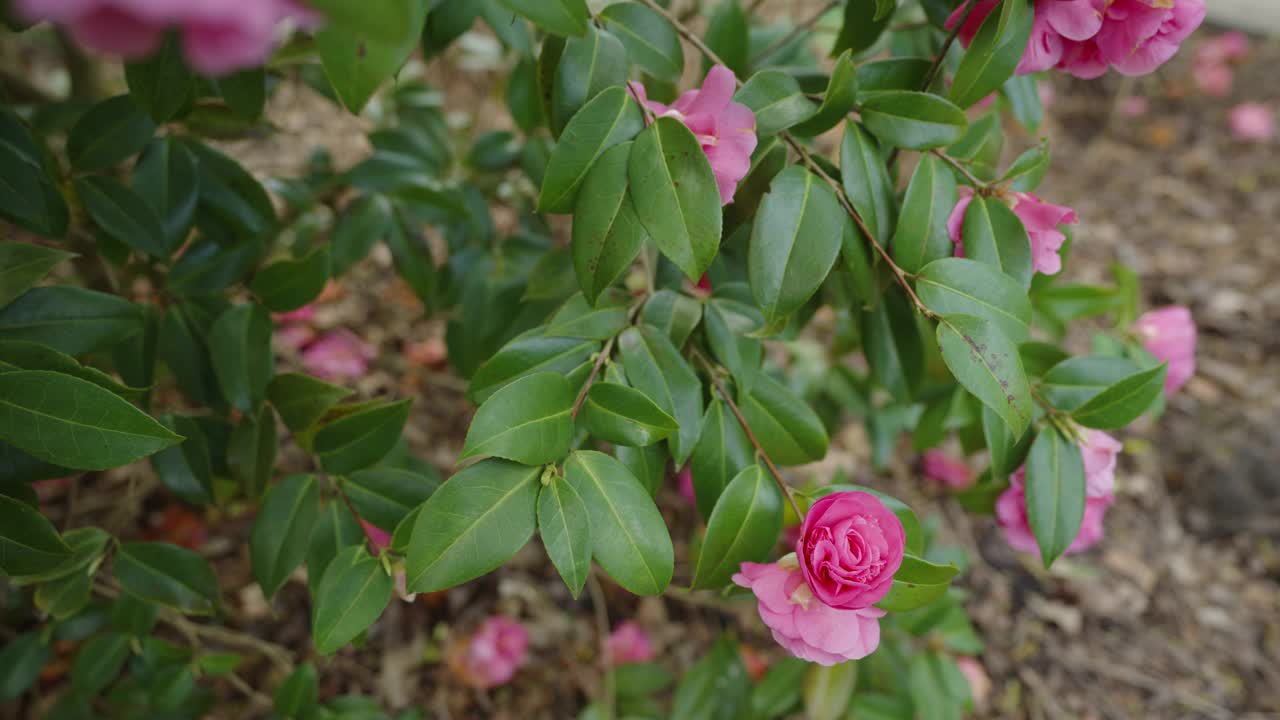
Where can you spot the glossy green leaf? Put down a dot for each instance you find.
(1007, 450)
(656, 368)
(777, 101)
(381, 19)
(161, 83)
(993, 54)
(607, 234)
(610, 118)
(29, 545)
(913, 120)
(675, 195)
(794, 242)
(987, 364)
(302, 400)
(562, 17)
(99, 661)
(674, 313)
(866, 181)
(122, 214)
(895, 73)
(385, 495)
(960, 286)
(527, 421)
(71, 320)
(628, 536)
(287, 285)
(648, 464)
(1071, 383)
(727, 324)
(1123, 402)
(716, 687)
(565, 526)
(357, 63)
(744, 526)
(476, 521)
(625, 416)
(917, 583)
(335, 530)
(23, 355)
(528, 355)
(251, 452)
(357, 441)
(1055, 487)
(298, 696)
(788, 429)
(994, 235)
(577, 319)
(168, 575)
(1029, 168)
(240, 340)
(22, 265)
(21, 661)
(351, 596)
(921, 236)
(282, 530)
(728, 36)
(651, 41)
(722, 453)
(864, 22)
(107, 133)
(87, 544)
(842, 91)
(589, 65)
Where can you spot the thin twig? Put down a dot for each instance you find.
(602, 630)
(946, 47)
(787, 39)
(601, 359)
(977, 182)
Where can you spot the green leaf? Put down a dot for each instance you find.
(251, 452)
(527, 421)
(245, 92)
(1123, 402)
(913, 120)
(282, 530)
(107, 133)
(22, 355)
(578, 319)
(1071, 383)
(71, 320)
(987, 364)
(864, 22)
(722, 453)
(352, 595)
(162, 84)
(186, 468)
(625, 416)
(166, 178)
(22, 265)
(133, 616)
(29, 545)
(287, 285)
(302, 400)
(168, 575)
(335, 531)
(87, 544)
(610, 118)
(230, 192)
(716, 687)
(744, 527)
(357, 63)
(381, 19)
(842, 90)
(777, 100)
(993, 235)
(1023, 94)
(565, 526)
(676, 196)
(939, 690)
(122, 214)
(588, 66)
(75, 423)
(240, 340)
(365, 221)
(674, 313)
(916, 584)
(476, 521)
(921, 236)
(524, 356)
(641, 679)
(728, 36)
(786, 427)
(778, 692)
(607, 234)
(29, 192)
(896, 73)
(727, 324)
(99, 662)
(960, 286)
(1055, 486)
(651, 41)
(656, 368)
(1007, 450)
(993, 54)
(65, 596)
(562, 17)
(866, 181)
(362, 438)
(628, 536)
(794, 242)
(21, 661)
(648, 464)
(893, 346)
(385, 496)
(298, 696)
(828, 689)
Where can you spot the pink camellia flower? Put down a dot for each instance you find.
(808, 628)
(628, 643)
(1169, 333)
(1134, 106)
(946, 470)
(1011, 516)
(1138, 36)
(218, 36)
(1055, 22)
(1041, 220)
(491, 656)
(338, 355)
(1099, 454)
(1252, 122)
(726, 129)
(1213, 78)
(850, 546)
(1224, 48)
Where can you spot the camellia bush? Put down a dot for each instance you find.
(733, 236)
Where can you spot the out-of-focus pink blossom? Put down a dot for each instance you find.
(850, 546)
(979, 681)
(629, 643)
(1041, 220)
(950, 472)
(1213, 78)
(491, 656)
(1169, 333)
(1252, 122)
(1134, 106)
(1045, 90)
(806, 627)
(338, 355)
(1224, 48)
(726, 129)
(1011, 516)
(304, 314)
(685, 481)
(1099, 454)
(1138, 36)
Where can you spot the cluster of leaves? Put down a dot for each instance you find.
(596, 365)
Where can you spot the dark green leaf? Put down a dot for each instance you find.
(99, 662)
(245, 92)
(335, 531)
(168, 575)
(958, 285)
(21, 661)
(242, 359)
(987, 364)
(916, 584)
(607, 234)
(866, 181)
(22, 265)
(133, 616)
(297, 696)
(362, 224)
(921, 236)
(777, 100)
(652, 43)
(384, 20)
(609, 119)
(162, 84)
(282, 530)
(743, 527)
(1055, 487)
(993, 235)
(714, 688)
(167, 178)
(251, 452)
(896, 73)
(361, 439)
(22, 355)
(894, 348)
(70, 319)
(29, 545)
(107, 133)
(65, 596)
(565, 526)
(864, 22)
(673, 313)
(577, 319)
(385, 496)
(287, 285)
(778, 692)
(562, 17)
(588, 66)
(842, 90)
(788, 429)
(1123, 402)
(230, 192)
(1007, 450)
(992, 55)
(186, 468)
(302, 400)
(527, 421)
(728, 36)
(182, 345)
(1071, 383)
(656, 368)
(913, 120)
(722, 453)
(625, 416)
(87, 545)
(353, 593)
(648, 464)
(528, 355)
(122, 214)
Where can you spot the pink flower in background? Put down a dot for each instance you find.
(379, 539)
(304, 314)
(685, 480)
(1139, 36)
(338, 355)
(1041, 220)
(1224, 48)
(218, 36)
(946, 470)
(294, 337)
(979, 681)
(806, 627)
(850, 546)
(1134, 106)
(491, 656)
(1099, 454)
(1011, 516)
(1252, 121)
(726, 129)
(1169, 333)
(1213, 78)
(628, 643)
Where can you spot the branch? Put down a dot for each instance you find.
(601, 359)
(946, 46)
(977, 182)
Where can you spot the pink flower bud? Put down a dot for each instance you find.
(850, 547)
(491, 656)
(1252, 122)
(338, 355)
(628, 643)
(803, 625)
(1169, 333)
(946, 470)
(379, 539)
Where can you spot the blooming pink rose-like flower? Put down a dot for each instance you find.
(1055, 22)
(629, 643)
(946, 470)
(1041, 220)
(726, 129)
(1169, 333)
(1138, 36)
(800, 623)
(1099, 454)
(1011, 516)
(491, 656)
(850, 546)
(1253, 122)
(338, 355)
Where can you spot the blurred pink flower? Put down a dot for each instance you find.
(1169, 333)
(1223, 48)
(628, 643)
(1099, 454)
(979, 681)
(294, 337)
(685, 481)
(1138, 36)
(803, 625)
(948, 471)
(1011, 515)
(491, 656)
(1041, 220)
(338, 355)
(304, 314)
(1213, 78)
(1134, 106)
(1252, 122)
(726, 129)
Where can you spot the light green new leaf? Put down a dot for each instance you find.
(607, 234)
(565, 525)
(351, 596)
(527, 421)
(913, 120)
(610, 118)
(967, 287)
(168, 575)
(1055, 486)
(987, 364)
(743, 527)
(625, 416)
(282, 530)
(921, 236)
